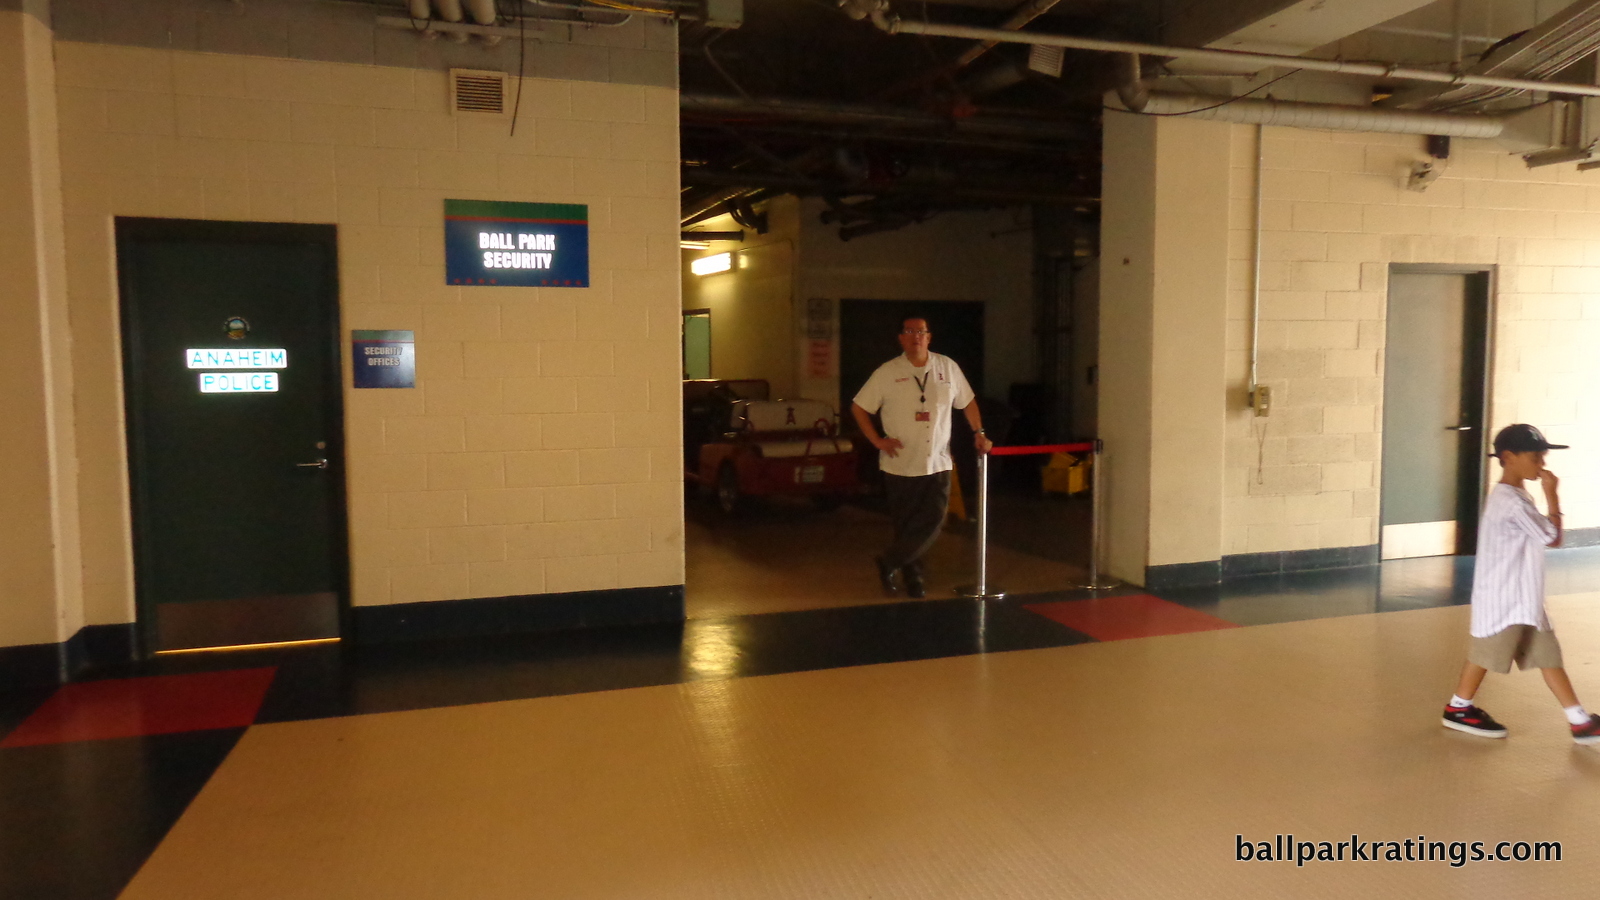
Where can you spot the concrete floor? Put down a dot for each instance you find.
(785, 555)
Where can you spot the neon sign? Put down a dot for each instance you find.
(238, 382)
(237, 358)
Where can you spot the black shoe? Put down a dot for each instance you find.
(1588, 732)
(913, 577)
(886, 577)
(1473, 720)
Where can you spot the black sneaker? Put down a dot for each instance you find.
(1473, 720)
(886, 577)
(913, 576)
(1588, 732)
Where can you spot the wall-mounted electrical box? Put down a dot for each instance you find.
(1261, 399)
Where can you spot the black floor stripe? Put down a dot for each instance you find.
(78, 820)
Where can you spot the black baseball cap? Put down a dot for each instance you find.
(1522, 439)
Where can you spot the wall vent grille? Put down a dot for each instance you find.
(476, 91)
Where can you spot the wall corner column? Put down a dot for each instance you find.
(41, 581)
(1163, 342)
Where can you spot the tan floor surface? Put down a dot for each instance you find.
(791, 558)
(1117, 770)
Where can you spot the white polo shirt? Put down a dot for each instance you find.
(899, 391)
(1508, 578)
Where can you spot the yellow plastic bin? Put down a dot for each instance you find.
(1065, 474)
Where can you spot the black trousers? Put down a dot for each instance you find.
(917, 507)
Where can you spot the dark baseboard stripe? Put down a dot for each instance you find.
(1182, 575)
(35, 665)
(1243, 565)
(99, 645)
(30, 666)
(517, 615)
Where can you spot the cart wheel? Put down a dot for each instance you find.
(826, 502)
(728, 497)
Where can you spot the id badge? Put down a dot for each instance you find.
(924, 416)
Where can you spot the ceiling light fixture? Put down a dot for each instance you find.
(711, 265)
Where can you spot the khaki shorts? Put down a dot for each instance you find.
(1528, 646)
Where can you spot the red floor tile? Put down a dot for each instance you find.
(1132, 616)
(131, 707)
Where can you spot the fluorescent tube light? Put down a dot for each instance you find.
(710, 265)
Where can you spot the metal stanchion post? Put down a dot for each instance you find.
(1094, 582)
(981, 590)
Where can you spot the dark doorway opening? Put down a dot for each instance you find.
(867, 338)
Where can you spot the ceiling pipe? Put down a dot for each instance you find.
(1054, 147)
(451, 23)
(1232, 58)
(1543, 51)
(466, 29)
(1433, 35)
(1021, 16)
(483, 11)
(1325, 116)
(1137, 98)
(876, 115)
(951, 188)
(419, 9)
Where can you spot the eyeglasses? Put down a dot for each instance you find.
(911, 333)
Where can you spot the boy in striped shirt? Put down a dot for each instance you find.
(1508, 617)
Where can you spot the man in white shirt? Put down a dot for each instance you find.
(915, 393)
(1508, 618)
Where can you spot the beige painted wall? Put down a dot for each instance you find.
(1188, 344)
(1127, 289)
(1163, 292)
(40, 580)
(1335, 217)
(752, 307)
(539, 452)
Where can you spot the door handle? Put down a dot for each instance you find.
(1458, 428)
(319, 464)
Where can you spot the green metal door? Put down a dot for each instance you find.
(230, 345)
(1434, 364)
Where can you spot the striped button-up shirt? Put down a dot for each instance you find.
(1508, 581)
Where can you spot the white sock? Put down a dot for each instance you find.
(1458, 703)
(1576, 715)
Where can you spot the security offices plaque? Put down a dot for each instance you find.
(503, 244)
(383, 359)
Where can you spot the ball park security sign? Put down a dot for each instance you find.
(494, 243)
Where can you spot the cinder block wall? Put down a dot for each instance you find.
(540, 450)
(40, 587)
(1335, 217)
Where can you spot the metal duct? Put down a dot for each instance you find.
(1294, 114)
(1545, 50)
(1327, 116)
